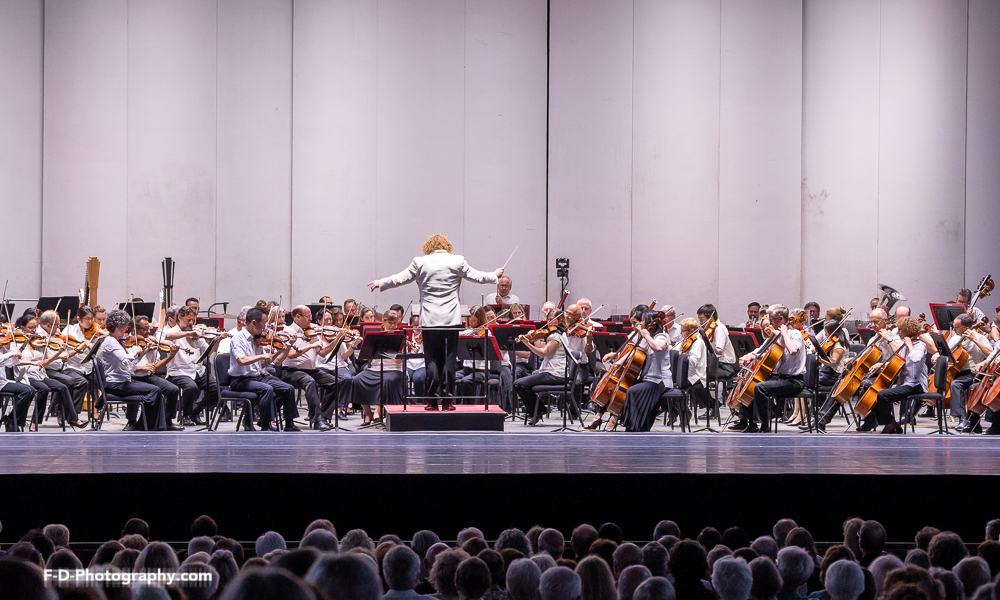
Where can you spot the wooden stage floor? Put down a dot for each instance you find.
(522, 452)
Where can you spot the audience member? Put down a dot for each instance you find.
(881, 567)
(320, 539)
(157, 555)
(268, 584)
(200, 543)
(656, 588)
(57, 534)
(689, 566)
(401, 572)
(297, 561)
(559, 583)
(544, 562)
(630, 579)
(204, 588)
(718, 552)
(795, 566)
(735, 538)
(852, 535)
(443, 573)
(918, 557)
(946, 549)
(924, 537)
(871, 540)
(596, 580)
(604, 548)
(845, 580)
(993, 531)
(319, 524)
(513, 538)
(990, 552)
(551, 542)
(472, 579)
(625, 555)
(136, 526)
(666, 527)
(356, 538)
(268, 541)
(581, 539)
(766, 545)
(973, 572)
(611, 531)
(523, 580)
(345, 577)
(766, 579)
(204, 526)
(732, 579)
(654, 558)
(468, 533)
(950, 583)
(780, 531)
(709, 538)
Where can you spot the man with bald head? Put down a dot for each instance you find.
(554, 356)
(301, 369)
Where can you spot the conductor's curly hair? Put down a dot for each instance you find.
(436, 242)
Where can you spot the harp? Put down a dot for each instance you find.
(88, 295)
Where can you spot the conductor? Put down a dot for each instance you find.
(438, 273)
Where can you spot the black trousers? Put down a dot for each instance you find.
(190, 390)
(22, 398)
(49, 389)
(76, 383)
(725, 370)
(523, 388)
(440, 358)
(319, 388)
(171, 393)
(766, 393)
(344, 378)
(887, 398)
(269, 389)
(152, 403)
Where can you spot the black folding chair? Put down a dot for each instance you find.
(99, 379)
(678, 395)
(246, 400)
(915, 401)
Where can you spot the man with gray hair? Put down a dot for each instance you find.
(655, 588)
(401, 571)
(795, 566)
(552, 542)
(560, 583)
(845, 580)
(732, 579)
(346, 577)
(780, 531)
(972, 571)
(523, 580)
(59, 534)
(630, 579)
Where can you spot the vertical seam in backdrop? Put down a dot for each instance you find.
(548, 68)
(291, 159)
(878, 157)
(631, 163)
(215, 262)
(127, 172)
(965, 174)
(41, 172)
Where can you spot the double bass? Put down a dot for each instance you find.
(760, 369)
(609, 392)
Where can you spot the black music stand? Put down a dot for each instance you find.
(865, 334)
(479, 347)
(336, 386)
(7, 308)
(945, 314)
(743, 343)
(612, 326)
(142, 309)
(506, 336)
(757, 333)
(608, 343)
(941, 345)
(68, 305)
(381, 344)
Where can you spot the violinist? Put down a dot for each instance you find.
(438, 274)
(553, 354)
(31, 371)
(642, 399)
(119, 365)
(475, 324)
(753, 316)
(247, 368)
(338, 363)
(301, 368)
(10, 356)
(548, 311)
(977, 345)
(383, 374)
(786, 377)
(147, 367)
(830, 370)
(57, 369)
(671, 326)
(912, 379)
(798, 323)
(241, 321)
(517, 312)
(415, 368)
(693, 345)
(588, 309)
(367, 315)
(185, 371)
(718, 335)
(85, 330)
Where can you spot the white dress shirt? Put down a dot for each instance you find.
(306, 361)
(119, 364)
(792, 364)
(697, 360)
(659, 362)
(508, 299)
(7, 359)
(243, 345)
(723, 345)
(185, 364)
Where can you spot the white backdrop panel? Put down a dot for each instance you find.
(675, 197)
(171, 147)
(840, 152)
(922, 149)
(505, 143)
(590, 149)
(982, 201)
(85, 145)
(21, 29)
(760, 154)
(333, 149)
(253, 240)
(421, 136)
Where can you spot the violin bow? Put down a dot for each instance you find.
(10, 324)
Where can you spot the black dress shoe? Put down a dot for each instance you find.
(266, 427)
(596, 424)
(751, 429)
(992, 431)
(172, 427)
(197, 419)
(291, 427)
(534, 421)
(322, 425)
(129, 427)
(187, 422)
(249, 428)
(432, 405)
(738, 426)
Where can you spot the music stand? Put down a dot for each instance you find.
(941, 345)
(381, 344)
(945, 314)
(743, 343)
(609, 343)
(865, 334)
(68, 305)
(7, 308)
(336, 386)
(142, 309)
(505, 339)
(478, 347)
(757, 333)
(612, 326)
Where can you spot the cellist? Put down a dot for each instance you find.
(553, 355)
(635, 319)
(786, 377)
(642, 399)
(913, 376)
(977, 345)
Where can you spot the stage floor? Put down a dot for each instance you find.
(535, 452)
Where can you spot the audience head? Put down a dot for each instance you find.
(581, 539)
(852, 529)
(474, 546)
(833, 554)
(716, 553)
(747, 554)
(63, 559)
(401, 568)
(924, 536)
(766, 545)
(596, 580)
(25, 552)
(268, 541)
(472, 578)
(346, 577)
(157, 555)
(134, 541)
(136, 526)
(990, 552)
(265, 584)
(845, 580)
(795, 566)
(225, 565)
(950, 584)
(912, 582)
(319, 524)
(126, 559)
(732, 579)
(43, 544)
(918, 557)
(655, 588)
(431, 555)
(610, 531)
(559, 583)
(443, 572)
(666, 527)
(204, 589)
(688, 561)
(544, 562)
(709, 538)
(801, 538)
(871, 538)
(993, 531)
(513, 538)
(495, 562)
(654, 558)
(204, 525)
(881, 567)
(625, 555)
(631, 578)
(320, 539)
(356, 538)
(20, 579)
(297, 561)
(57, 534)
(467, 534)
(532, 535)
(523, 580)
(200, 543)
(766, 578)
(946, 549)
(780, 531)
(735, 538)
(605, 549)
(973, 572)
(233, 546)
(668, 541)
(107, 552)
(422, 540)
(551, 541)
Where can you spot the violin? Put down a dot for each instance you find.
(541, 333)
(209, 333)
(149, 343)
(278, 341)
(580, 329)
(94, 330)
(710, 326)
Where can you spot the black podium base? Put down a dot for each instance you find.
(465, 417)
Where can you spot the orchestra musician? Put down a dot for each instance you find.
(642, 399)
(693, 345)
(475, 323)
(812, 313)
(722, 346)
(553, 354)
(225, 345)
(11, 356)
(978, 346)
(146, 372)
(502, 295)
(588, 309)
(338, 363)
(912, 378)
(753, 316)
(247, 370)
(382, 375)
(517, 312)
(415, 368)
(798, 323)
(119, 365)
(671, 326)
(438, 274)
(31, 371)
(635, 319)
(964, 297)
(57, 368)
(301, 368)
(995, 329)
(974, 424)
(548, 311)
(786, 377)
(185, 371)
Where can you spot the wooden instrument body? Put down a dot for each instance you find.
(961, 359)
(883, 381)
(985, 391)
(755, 373)
(851, 381)
(611, 389)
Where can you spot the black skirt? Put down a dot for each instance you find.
(642, 401)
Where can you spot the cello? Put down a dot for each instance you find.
(609, 392)
(886, 376)
(760, 369)
(985, 391)
(851, 380)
